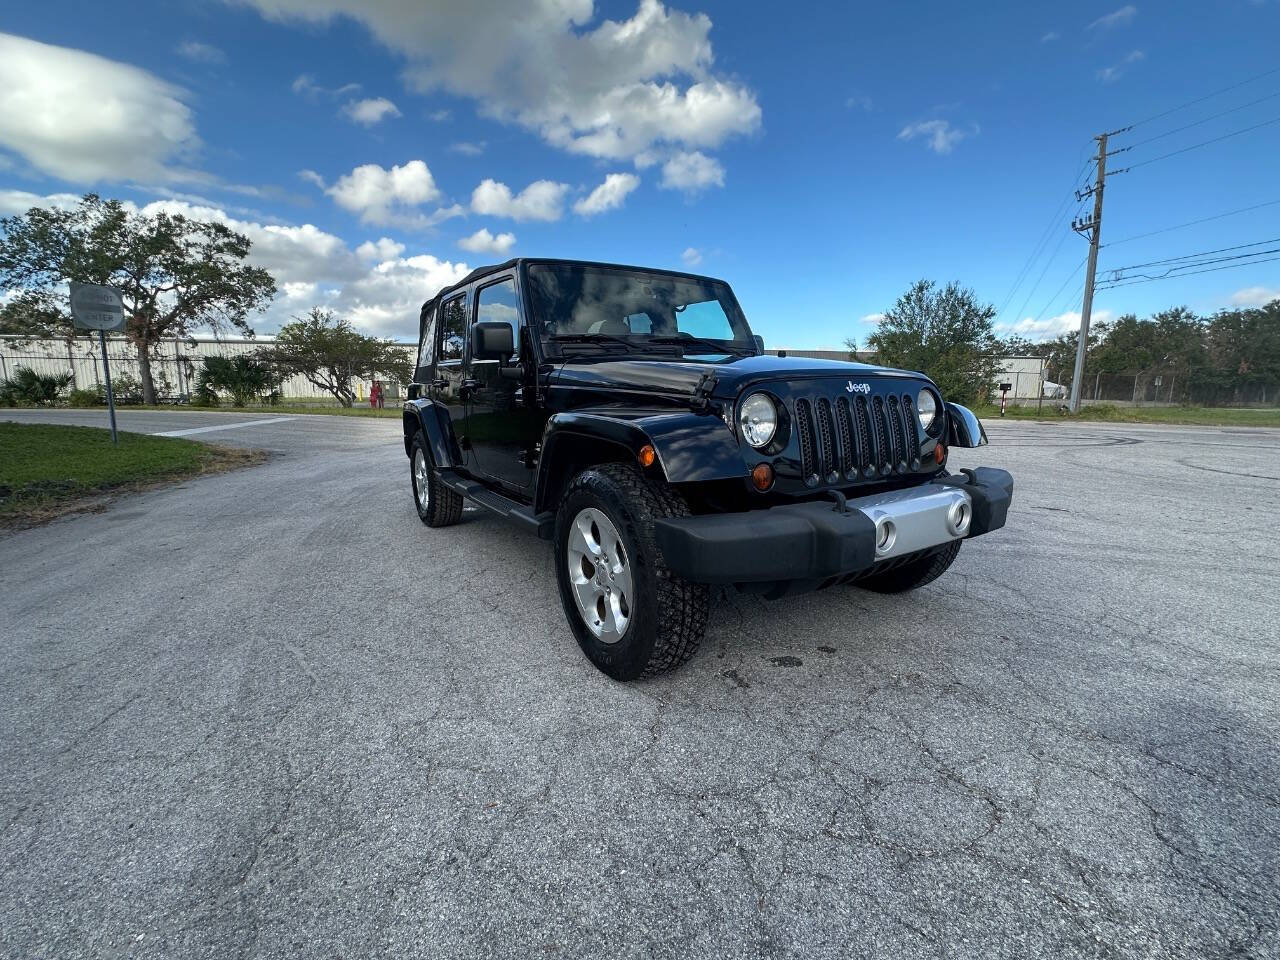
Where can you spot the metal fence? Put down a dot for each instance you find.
(175, 366)
(1172, 388)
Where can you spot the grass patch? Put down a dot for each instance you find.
(48, 470)
(1110, 413)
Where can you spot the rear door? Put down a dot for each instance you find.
(449, 388)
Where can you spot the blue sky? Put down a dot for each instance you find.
(819, 160)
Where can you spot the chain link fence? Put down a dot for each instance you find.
(175, 367)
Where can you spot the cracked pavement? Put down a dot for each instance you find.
(269, 714)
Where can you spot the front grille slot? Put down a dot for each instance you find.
(804, 432)
(884, 452)
(913, 428)
(826, 449)
(898, 429)
(867, 453)
(848, 453)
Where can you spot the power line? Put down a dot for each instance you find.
(1053, 300)
(1048, 263)
(1192, 103)
(1190, 273)
(1192, 223)
(1196, 123)
(1193, 256)
(1196, 146)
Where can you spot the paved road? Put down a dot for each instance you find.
(217, 743)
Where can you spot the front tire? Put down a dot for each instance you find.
(630, 614)
(915, 574)
(437, 505)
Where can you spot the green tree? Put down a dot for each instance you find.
(326, 350)
(175, 274)
(1243, 352)
(945, 333)
(26, 387)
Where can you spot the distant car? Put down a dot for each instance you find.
(631, 417)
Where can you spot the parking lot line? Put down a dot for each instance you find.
(222, 426)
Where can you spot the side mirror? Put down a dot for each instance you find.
(492, 340)
(759, 344)
(964, 429)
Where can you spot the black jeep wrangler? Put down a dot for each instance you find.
(629, 416)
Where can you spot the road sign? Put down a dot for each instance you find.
(95, 307)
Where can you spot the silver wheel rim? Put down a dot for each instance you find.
(600, 575)
(421, 488)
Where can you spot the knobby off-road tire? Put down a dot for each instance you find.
(914, 574)
(437, 505)
(665, 616)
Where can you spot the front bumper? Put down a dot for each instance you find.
(818, 541)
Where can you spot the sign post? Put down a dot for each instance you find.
(95, 307)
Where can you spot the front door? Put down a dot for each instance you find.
(502, 426)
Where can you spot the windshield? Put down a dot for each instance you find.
(633, 310)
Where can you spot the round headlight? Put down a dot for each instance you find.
(758, 419)
(926, 408)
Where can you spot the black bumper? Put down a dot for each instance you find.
(805, 541)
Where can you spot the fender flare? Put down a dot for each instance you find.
(690, 448)
(433, 421)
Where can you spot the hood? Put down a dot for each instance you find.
(680, 378)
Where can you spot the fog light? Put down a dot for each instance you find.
(958, 516)
(762, 476)
(646, 455)
(886, 533)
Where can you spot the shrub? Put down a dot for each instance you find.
(125, 388)
(244, 377)
(28, 388)
(87, 398)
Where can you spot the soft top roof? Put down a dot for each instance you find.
(480, 272)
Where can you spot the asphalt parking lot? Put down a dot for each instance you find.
(268, 713)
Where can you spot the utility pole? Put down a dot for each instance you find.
(1094, 229)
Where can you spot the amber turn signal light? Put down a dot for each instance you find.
(646, 455)
(762, 476)
(939, 453)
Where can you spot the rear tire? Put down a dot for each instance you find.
(649, 620)
(915, 574)
(437, 505)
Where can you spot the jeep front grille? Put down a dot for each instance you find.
(847, 439)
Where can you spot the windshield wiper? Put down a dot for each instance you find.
(717, 346)
(599, 338)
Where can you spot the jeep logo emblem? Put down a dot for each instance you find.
(857, 387)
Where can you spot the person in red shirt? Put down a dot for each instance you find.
(375, 395)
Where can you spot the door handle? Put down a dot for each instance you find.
(469, 384)
(439, 383)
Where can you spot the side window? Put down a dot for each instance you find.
(638, 323)
(453, 328)
(427, 344)
(497, 303)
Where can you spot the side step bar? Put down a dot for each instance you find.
(543, 524)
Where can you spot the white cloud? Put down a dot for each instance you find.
(370, 111)
(84, 118)
(859, 101)
(540, 200)
(379, 195)
(384, 249)
(482, 241)
(873, 318)
(467, 148)
(1049, 37)
(1254, 296)
(692, 172)
(1047, 328)
(17, 202)
(692, 256)
(198, 52)
(311, 177)
(1116, 18)
(375, 285)
(1108, 74)
(609, 195)
(940, 135)
(305, 84)
(611, 90)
